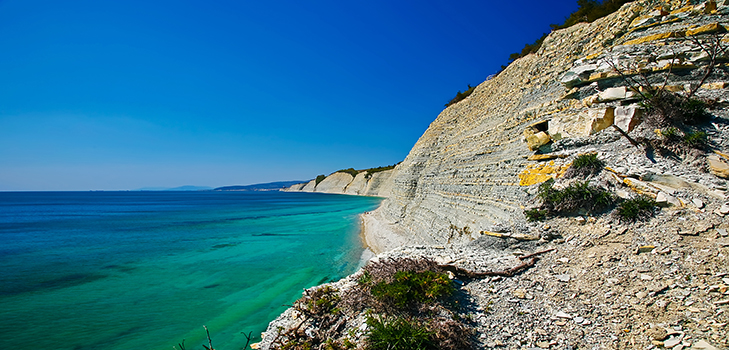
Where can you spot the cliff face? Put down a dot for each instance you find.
(471, 169)
(364, 184)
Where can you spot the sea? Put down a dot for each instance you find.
(147, 270)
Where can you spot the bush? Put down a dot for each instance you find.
(460, 96)
(575, 197)
(349, 171)
(695, 139)
(535, 214)
(585, 165)
(411, 287)
(398, 334)
(670, 134)
(320, 178)
(639, 208)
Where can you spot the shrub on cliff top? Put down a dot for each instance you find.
(585, 165)
(320, 178)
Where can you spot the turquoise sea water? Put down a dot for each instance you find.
(144, 270)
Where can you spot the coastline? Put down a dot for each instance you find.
(377, 235)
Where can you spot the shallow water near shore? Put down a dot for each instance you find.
(145, 270)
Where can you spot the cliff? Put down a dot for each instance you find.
(472, 167)
(616, 88)
(365, 183)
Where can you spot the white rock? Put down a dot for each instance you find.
(579, 319)
(724, 210)
(646, 277)
(672, 341)
(665, 199)
(703, 345)
(698, 203)
(563, 278)
(627, 118)
(612, 94)
(562, 314)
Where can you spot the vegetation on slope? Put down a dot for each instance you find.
(587, 11)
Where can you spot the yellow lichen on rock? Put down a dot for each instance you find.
(653, 37)
(706, 29)
(535, 174)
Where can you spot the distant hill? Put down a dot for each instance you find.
(180, 188)
(270, 186)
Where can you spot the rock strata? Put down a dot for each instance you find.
(460, 194)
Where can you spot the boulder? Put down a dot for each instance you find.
(718, 166)
(612, 94)
(627, 118)
(599, 119)
(536, 140)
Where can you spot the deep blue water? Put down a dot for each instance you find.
(144, 270)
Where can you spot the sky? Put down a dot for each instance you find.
(121, 95)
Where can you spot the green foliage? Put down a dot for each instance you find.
(320, 178)
(460, 96)
(573, 198)
(590, 10)
(585, 165)
(528, 48)
(535, 214)
(670, 134)
(398, 334)
(322, 301)
(639, 208)
(371, 171)
(409, 287)
(695, 139)
(349, 171)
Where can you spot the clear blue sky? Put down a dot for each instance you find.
(129, 94)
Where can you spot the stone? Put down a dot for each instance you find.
(520, 293)
(562, 314)
(612, 94)
(562, 278)
(703, 345)
(536, 139)
(645, 277)
(579, 319)
(718, 166)
(666, 200)
(706, 29)
(627, 118)
(722, 232)
(672, 341)
(599, 119)
(641, 295)
(570, 79)
(646, 249)
(698, 203)
(724, 210)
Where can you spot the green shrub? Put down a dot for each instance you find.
(410, 287)
(670, 134)
(577, 196)
(460, 96)
(695, 139)
(639, 208)
(590, 10)
(398, 334)
(349, 171)
(585, 165)
(535, 214)
(320, 178)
